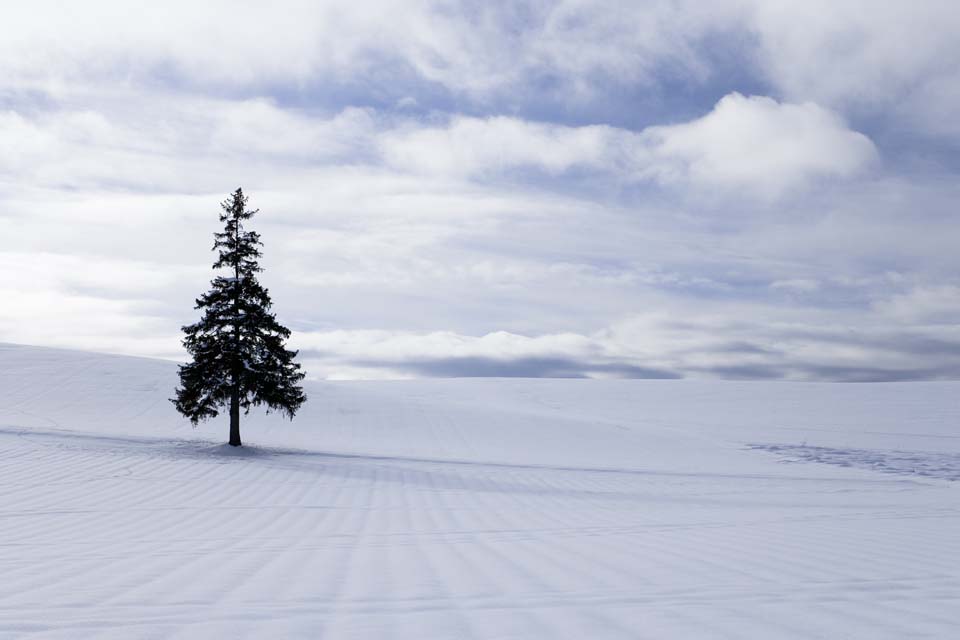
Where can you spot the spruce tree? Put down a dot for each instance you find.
(238, 354)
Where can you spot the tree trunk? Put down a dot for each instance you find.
(235, 418)
(235, 394)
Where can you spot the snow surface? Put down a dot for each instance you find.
(477, 508)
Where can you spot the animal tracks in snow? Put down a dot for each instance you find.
(930, 464)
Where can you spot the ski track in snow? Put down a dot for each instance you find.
(476, 509)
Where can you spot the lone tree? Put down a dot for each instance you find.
(237, 348)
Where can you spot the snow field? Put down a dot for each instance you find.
(476, 509)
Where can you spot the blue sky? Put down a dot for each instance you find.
(742, 189)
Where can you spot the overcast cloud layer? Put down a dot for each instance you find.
(735, 189)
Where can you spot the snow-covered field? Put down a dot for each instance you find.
(477, 509)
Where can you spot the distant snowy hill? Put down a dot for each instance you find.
(476, 508)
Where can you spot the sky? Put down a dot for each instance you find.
(739, 189)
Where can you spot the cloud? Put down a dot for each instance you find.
(773, 345)
(478, 146)
(213, 42)
(175, 145)
(745, 144)
(447, 354)
(566, 58)
(938, 304)
(516, 367)
(752, 143)
(796, 285)
(864, 56)
(473, 49)
(73, 273)
(87, 321)
(365, 248)
(257, 128)
(505, 188)
(758, 144)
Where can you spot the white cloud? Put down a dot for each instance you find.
(864, 55)
(475, 49)
(798, 285)
(873, 57)
(745, 143)
(934, 304)
(258, 127)
(741, 341)
(758, 144)
(60, 318)
(25, 142)
(212, 41)
(396, 346)
(475, 146)
(176, 145)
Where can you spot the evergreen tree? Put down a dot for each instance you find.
(237, 348)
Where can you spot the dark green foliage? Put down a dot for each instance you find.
(237, 348)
